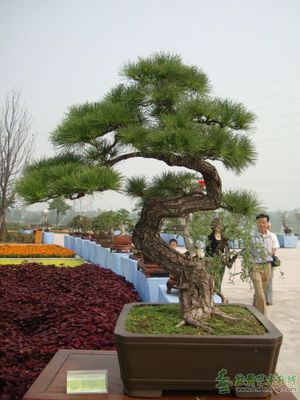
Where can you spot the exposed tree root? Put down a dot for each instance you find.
(195, 320)
(181, 324)
(200, 324)
(223, 315)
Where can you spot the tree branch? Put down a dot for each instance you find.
(123, 157)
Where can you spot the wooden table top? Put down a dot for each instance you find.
(51, 383)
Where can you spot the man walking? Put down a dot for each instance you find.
(262, 251)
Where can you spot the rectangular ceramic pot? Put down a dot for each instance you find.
(150, 364)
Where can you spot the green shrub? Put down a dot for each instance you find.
(18, 237)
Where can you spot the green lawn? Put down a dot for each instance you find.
(59, 262)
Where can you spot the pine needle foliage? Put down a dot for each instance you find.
(162, 110)
(166, 185)
(171, 184)
(168, 71)
(59, 159)
(241, 202)
(84, 123)
(136, 187)
(72, 180)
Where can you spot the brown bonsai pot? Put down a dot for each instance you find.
(122, 243)
(104, 240)
(150, 364)
(105, 243)
(122, 240)
(150, 269)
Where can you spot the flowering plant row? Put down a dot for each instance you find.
(34, 250)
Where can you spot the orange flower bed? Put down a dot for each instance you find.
(34, 251)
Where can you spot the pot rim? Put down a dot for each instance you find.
(271, 334)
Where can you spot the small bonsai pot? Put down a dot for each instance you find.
(150, 364)
(122, 240)
(151, 270)
(105, 243)
(122, 243)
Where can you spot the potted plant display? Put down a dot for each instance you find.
(165, 111)
(80, 225)
(153, 362)
(105, 224)
(202, 355)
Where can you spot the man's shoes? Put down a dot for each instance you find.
(269, 304)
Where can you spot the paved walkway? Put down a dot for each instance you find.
(285, 311)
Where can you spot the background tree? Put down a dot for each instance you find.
(125, 221)
(164, 111)
(107, 222)
(235, 227)
(81, 223)
(60, 206)
(16, 146)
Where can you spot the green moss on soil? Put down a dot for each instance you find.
(162, 319)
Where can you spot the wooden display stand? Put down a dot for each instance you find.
(51, 384)
(151, 270)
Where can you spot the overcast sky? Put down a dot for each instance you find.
(65, 52)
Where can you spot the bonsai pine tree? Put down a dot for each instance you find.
(165, 111)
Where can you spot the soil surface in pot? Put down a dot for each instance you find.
(162, 319)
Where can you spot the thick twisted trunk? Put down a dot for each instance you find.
(195, 284)
(196, 293)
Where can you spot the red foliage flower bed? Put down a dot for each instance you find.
(45, 308)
